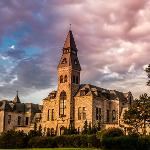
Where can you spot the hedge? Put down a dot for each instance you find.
(126, 143)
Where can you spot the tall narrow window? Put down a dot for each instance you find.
(9, 119)
(84, 113)
(79, 113)
(65, 78)
(113, 115)
(61, 79)
(74, 79)
(98, 113)
(52, 118)
(62, 104)
(27, 121)
(19, 120)
(48, 115)
(107, 115)
(77, 80)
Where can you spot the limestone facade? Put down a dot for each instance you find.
(74, 103)
(15, 115)
(71, 105)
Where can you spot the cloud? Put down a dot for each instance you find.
(12, 47)
(112, 38)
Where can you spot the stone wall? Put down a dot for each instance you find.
(2, 121)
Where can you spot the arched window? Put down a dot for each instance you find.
(52, 132)
(64, 61)
(62, 129)
(113, 115)
(62, 104)
(61, 79)
(65, 78)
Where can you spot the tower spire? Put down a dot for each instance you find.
(16, 99)
(70, 27)
(70, 42)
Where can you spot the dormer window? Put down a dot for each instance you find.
(82, 93)
(64, 61)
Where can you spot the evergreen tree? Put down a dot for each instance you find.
(148, 74)
(85, 127)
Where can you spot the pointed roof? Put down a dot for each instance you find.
(70, 42)
(16, 99)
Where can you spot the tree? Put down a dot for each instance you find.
(85, 127)
(138, 114)
(148, 74)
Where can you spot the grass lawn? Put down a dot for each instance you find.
(57, 149)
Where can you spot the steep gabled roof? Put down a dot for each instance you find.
(16, 99)
(91, 90)
(70, 42)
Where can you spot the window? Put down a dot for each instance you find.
(9, 119)
(113, 115)
(19, 120)
(77, 80)
(107, 115)
(61, 79)
(79, 113)
(62, 104)
(27, 121)
(74, 79)
(52, 118)
(65, 78)
(98, 113)
(48, 115)
(82, 93)
(84, 113)
(62, 129)
(52, 132)
(64, 61)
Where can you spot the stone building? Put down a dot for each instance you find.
(74, 103)
(15, 115)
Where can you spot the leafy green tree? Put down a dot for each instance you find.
(148, 74)
(138, 115)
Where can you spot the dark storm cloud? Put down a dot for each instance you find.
(114, 37)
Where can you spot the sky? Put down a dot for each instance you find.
(112, 38)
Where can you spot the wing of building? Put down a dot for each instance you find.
(74, 103)
(15, 115)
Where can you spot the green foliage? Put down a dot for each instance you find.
(126, 143)
(89, 129)
(111, 132)
(12, 139)
(138, 115)
(77, 141)
(42, 142)
(148, 74)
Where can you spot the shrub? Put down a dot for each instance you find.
(125, 142)
(93, 141)
(111, 132)
(42, 142)
(13, 139)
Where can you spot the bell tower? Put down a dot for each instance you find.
(68, 79)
